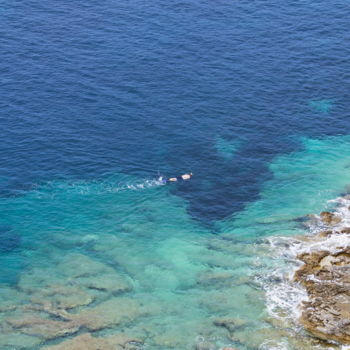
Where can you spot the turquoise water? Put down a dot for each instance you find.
(98, 100)
(226, 148)
(302, 184)
(323, 106)
(129, 240)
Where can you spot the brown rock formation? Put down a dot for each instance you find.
(43, 327)
(326, 277)
(329, 218)
(112, 312)
(62, 297)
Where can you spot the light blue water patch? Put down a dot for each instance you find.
(226, 148)
(302, 184)
(323, 106)
(4, 180)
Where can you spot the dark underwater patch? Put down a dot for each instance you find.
(9, 240)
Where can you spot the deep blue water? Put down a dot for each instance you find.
(98, 98)
(136, 87)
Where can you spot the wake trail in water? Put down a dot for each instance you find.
(96, 187)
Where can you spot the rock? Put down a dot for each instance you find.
(11, 298)
(84, 271)
(225, 245)
(77, 265)
(168, 339)
(76, 281)
(107, 243)
(110, 282)
(205, 345)
(43, 327)
(62, 297)
(112, 312)
(88, 342)
(326, 277)
(311, 261)
(254, 340)
(324, 234)
(306, 220)
(215, 277)
(37, 279)
(230, 324)
(89, 239)
(329, 218)
(15, 340)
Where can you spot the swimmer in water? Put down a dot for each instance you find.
(175, 179)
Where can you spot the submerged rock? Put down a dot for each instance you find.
(75, 281)
(231, 324)
(43, 327)
(205, 345)
(109, 313)
(10, 298)
(88, 342)
(92, 274)
(62, 297)
(109, 282)
(16, 340)
(265, 338)
(215, 277)
(47, 322)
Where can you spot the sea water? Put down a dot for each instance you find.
(185, 276)
(99, 100)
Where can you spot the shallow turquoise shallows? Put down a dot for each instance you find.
(91, 246)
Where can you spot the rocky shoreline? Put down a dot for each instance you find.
(325, 274)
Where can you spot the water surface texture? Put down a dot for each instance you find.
(98, 99)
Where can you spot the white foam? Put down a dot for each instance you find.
(269, 345)
(284, 299)
(333, 244)
(140, 186)
(95, 187)
(284, 296)
(342, 210)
